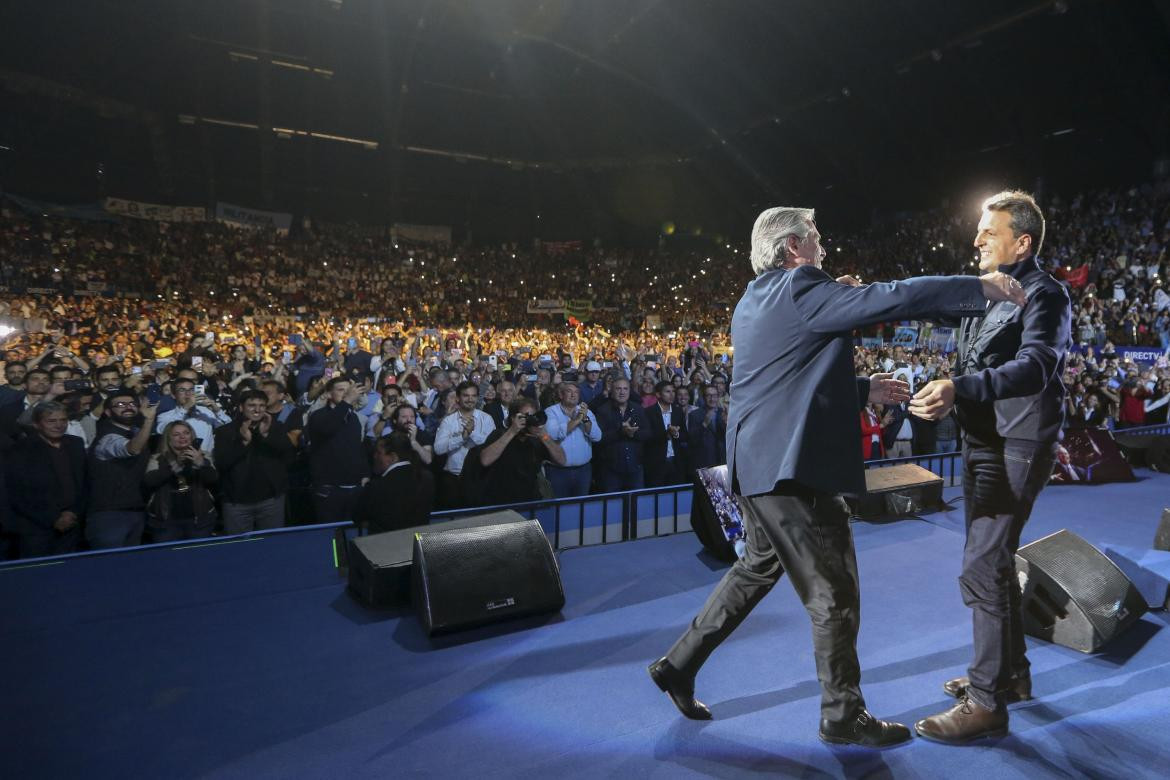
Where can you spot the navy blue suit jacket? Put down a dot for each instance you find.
(794, 398)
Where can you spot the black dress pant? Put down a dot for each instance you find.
(1000, 483)
(806, 533)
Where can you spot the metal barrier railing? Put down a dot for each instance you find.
(599, 519)
(1162, 429)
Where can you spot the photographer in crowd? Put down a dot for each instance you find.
(505, 468)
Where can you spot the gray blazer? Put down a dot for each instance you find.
(794, 398)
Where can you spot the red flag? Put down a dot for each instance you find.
(1076, 277)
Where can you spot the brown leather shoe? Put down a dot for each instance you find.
(965, 722)
(1021, 689)
(679, 688)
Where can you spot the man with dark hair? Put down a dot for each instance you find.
(15, 372)
(336, 456)
(504, 469)
(252, 455)
(378, 422)
(666, 449)
(792, 436)
(117, 463)
(1009, 397)
(107, 379)
(203, 414)
(278, 406)
(403, 419)
(38, 387)
(45, 474)
(457, 434)
(707, 428)
(399, 494)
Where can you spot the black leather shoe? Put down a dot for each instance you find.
(864, 730)
(1021, 689)
(963, 723)
(679, 688)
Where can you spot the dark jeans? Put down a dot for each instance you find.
(41, 542)
(610, 481)
(568, 482)
(806, 533)
(450, 493)
(114, 528)
(259, 516)
(667, 472)
(1000, 484)
(180, 529)
(335, 504)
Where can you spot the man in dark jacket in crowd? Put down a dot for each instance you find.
(707, 426)
(624, 431)
(117, 463)
(666, 449)
(337, 459)
(400, 493)
(46, 485)
(252, 455)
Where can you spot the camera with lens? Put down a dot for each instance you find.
(536, 419)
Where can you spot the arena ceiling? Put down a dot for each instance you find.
(653, 109)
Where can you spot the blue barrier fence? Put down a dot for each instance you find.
(569, 522)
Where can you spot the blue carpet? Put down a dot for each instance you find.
(250, 660)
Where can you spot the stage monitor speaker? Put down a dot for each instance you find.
(380, 564)
(471, 576)
(1072, 594)
(1162, 537)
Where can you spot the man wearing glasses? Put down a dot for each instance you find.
(200, 412)
(116, 506)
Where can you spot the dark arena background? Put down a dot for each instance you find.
(276, 276)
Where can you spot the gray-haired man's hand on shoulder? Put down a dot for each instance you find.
(999, 286)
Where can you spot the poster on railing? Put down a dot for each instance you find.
(715, 514)
(1089, 456)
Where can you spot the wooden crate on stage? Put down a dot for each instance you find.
(898, 491)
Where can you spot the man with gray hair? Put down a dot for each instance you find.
(45, 475)
(792, 331)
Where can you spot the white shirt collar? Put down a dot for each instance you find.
(395, 465)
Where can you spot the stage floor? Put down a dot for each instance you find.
(248, 659)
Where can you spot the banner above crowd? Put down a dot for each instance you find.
(546, 306)
(231, 214)
(156, 211)
(426, 234)
(91, 212)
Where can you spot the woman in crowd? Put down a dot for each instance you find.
(871, 433)
(177, 477)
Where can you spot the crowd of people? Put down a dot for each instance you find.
(172, 380)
